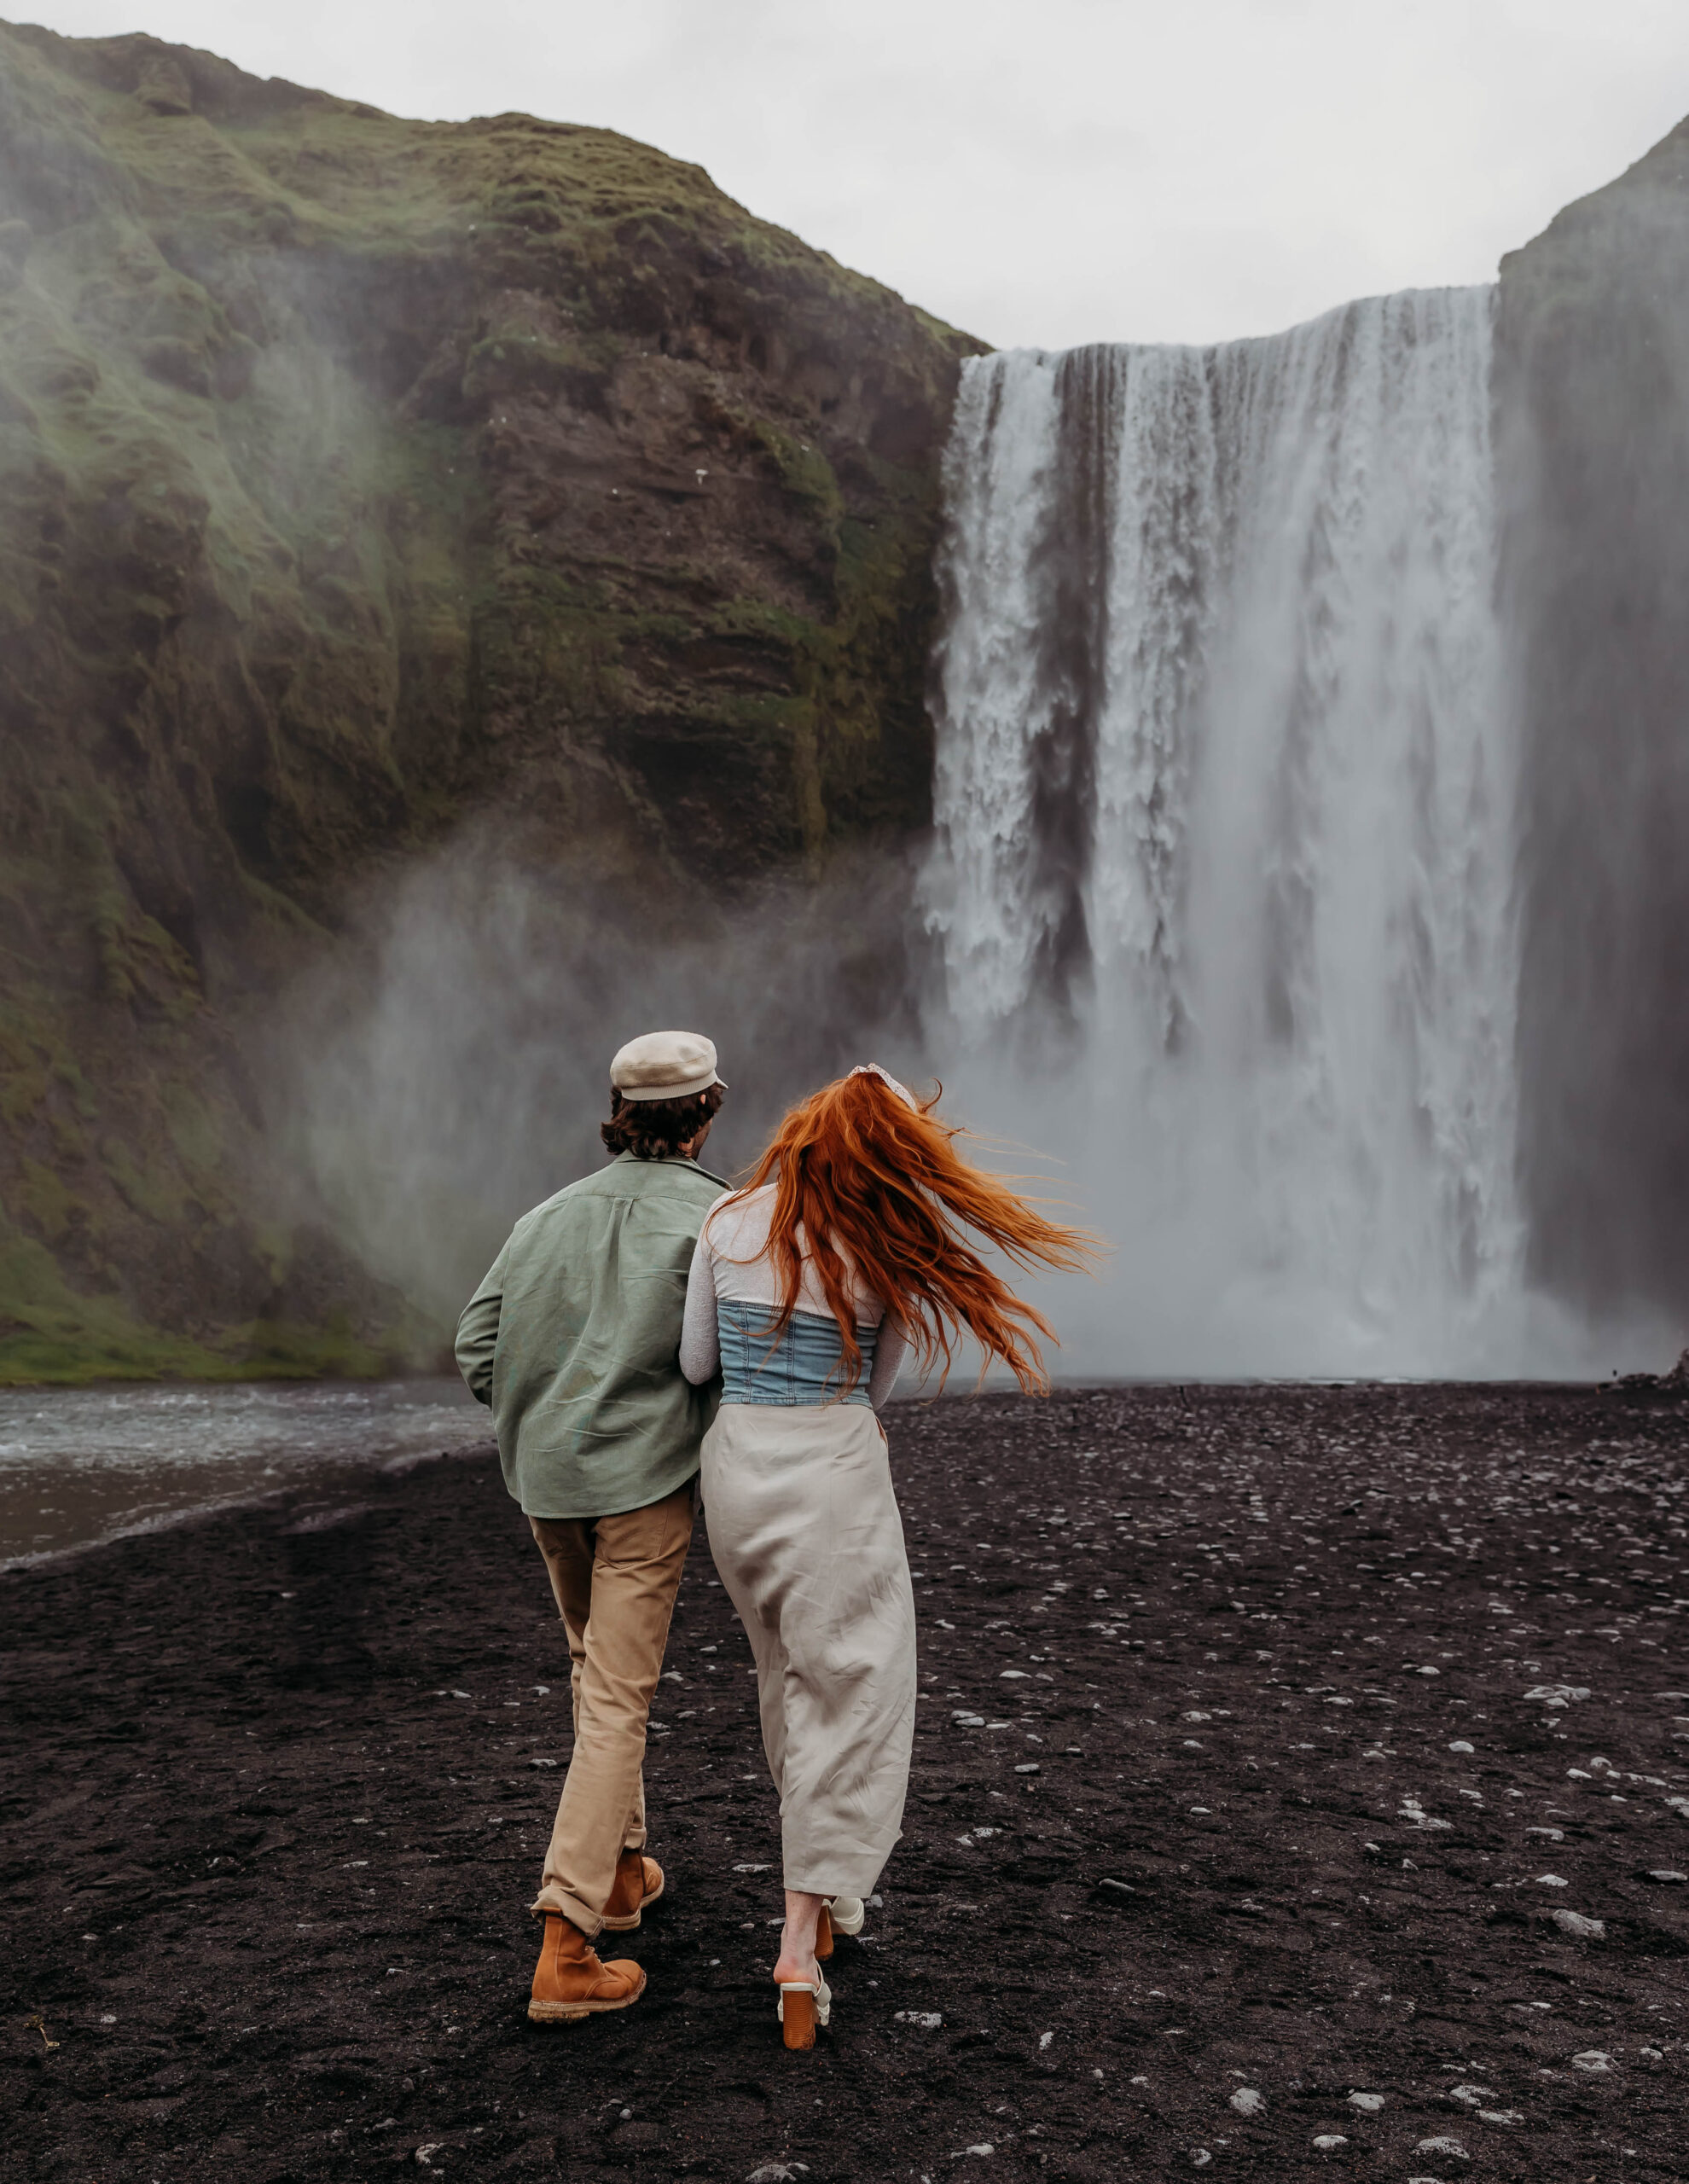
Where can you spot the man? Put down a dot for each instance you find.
(572, 1339)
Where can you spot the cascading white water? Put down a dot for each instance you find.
(1224, 845)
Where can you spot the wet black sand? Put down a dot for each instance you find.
(272, 1808)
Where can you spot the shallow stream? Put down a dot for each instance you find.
(80, 1465)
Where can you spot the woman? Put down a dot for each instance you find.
(845, 1249)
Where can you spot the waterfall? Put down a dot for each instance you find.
(1222, 879)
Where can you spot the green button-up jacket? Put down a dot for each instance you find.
(572, 1338)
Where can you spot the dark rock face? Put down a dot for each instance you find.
(356, 474)
(1593, 412)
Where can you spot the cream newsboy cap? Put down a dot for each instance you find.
(665, 1066)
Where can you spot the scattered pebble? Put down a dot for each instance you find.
(1328, 2141)
(1549, 1880)
(1594, 2059)
(928, 2020)
(1581, 1929)
(1666, 1873)
(1443, 2146)
(1370, 2102)
(1247, 2101)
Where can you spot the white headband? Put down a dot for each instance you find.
(874, 1069)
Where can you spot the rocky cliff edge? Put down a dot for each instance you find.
(358, 475)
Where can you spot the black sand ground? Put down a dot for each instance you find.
(275, 1786)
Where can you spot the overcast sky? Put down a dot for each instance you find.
(1047, 172)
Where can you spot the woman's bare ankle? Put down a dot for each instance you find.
(796, 1959)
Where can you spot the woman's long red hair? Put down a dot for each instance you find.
(873, 1181)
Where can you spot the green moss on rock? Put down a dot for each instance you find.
(357, 475)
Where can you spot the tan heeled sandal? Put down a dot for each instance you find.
(846, 1914)
(801, 2008)
(839, 1914)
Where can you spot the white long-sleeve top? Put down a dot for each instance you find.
(732, 1263)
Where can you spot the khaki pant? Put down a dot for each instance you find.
(615, 1579)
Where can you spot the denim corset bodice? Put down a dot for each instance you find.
(804, 1366)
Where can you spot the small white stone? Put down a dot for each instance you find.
(1499, 2115)
(1443, 2146)
(1327, 2141)
(1470, 2095)
(1549, 1880)
(1247, 2101)
(1665, 1873)
(1370, 2102)
(1014, 1675)
(1594, 2059)
(1581, 1929)
(928, 2020)
(1461, 1745)
(1554, 1834)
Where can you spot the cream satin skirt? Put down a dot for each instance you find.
(804, 1529)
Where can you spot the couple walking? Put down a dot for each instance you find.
(650, 1332)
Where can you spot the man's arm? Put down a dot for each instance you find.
(478, 1332)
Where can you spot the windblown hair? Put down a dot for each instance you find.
(872, 1180)
(656, 1129)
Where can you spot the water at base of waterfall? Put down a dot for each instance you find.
(1223, 870)
(82, 1465)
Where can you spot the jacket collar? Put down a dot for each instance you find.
(675, 1161)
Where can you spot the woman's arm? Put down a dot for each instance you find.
(889, 1353)
(700, 1342)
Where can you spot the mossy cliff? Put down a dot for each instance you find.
(356, 474)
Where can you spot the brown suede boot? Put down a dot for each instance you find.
(639, 1881)
(570, 1981)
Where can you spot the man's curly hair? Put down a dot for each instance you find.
(656, 1129)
